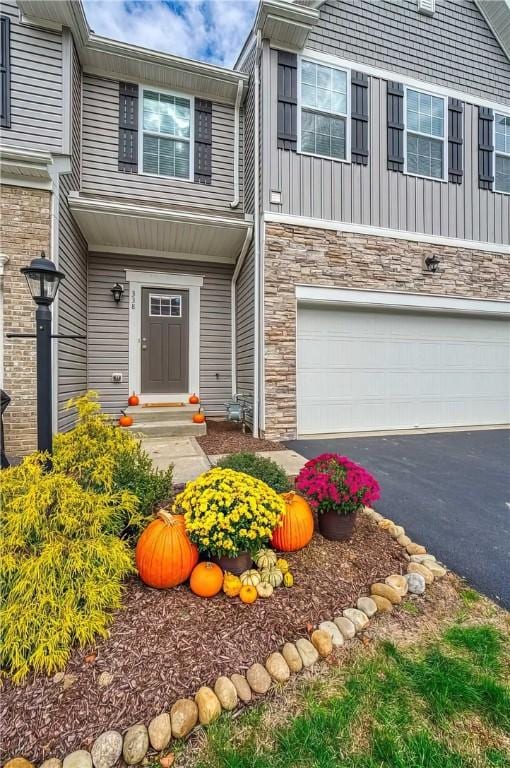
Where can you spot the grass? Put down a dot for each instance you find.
(444, 703)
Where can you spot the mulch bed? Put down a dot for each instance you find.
(226, 437)
(166, 644)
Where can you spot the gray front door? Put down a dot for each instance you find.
(165, 340)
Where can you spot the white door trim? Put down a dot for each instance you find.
(394, 299)
(191, 283)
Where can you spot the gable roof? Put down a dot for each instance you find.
(497, 15)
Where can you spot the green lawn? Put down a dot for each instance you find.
(444, 703)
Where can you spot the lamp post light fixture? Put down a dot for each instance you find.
(432, 263)
(117, 292)
(43, 280)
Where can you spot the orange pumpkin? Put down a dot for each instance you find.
(125, 420)
(165, 556)
(296, 530)
(206, 579)
(198, 418)
(133, 399)
(248, 594)
(194, 399)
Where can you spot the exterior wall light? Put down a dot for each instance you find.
(117, 292)
(432, 263)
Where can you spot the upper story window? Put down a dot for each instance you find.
(502, 153)
(5, 72)
(166, 135)
(425, 145)
(323, 110)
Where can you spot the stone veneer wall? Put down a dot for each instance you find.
(25, 221)
(302, 255)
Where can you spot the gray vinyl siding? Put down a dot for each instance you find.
(36, 85)
(372, 195)
(454, 48)
(108, 328)
(245, 326)
(72, 297)
(100, 174)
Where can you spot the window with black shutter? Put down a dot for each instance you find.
(5, 71)
(166, 126)
(359, 118)
(455, 141)
(324, 110)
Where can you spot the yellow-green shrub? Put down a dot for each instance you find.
(61, 568)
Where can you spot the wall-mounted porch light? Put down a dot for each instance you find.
(117, 292)
(432, 263)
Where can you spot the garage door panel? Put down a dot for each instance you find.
(364, 369)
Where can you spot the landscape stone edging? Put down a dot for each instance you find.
(208, 704)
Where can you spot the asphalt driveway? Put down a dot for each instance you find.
(451, 491)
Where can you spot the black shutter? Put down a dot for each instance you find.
(395, 118)
(485, 148)
(5, 71)
(287, 100)
(203, 141)
(128, 127)
(359, 115)
(455, 141)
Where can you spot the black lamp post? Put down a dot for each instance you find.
(43, 281)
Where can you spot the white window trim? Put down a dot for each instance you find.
(141, 133)
(347, 116)
(495, 152)
(158, 280)
(444, 178)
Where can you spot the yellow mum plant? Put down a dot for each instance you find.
(228, 512)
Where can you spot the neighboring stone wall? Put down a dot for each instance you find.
(302, 255)
(25, 220)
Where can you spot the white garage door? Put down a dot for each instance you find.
(364, 370)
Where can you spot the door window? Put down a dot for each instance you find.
(165, 306)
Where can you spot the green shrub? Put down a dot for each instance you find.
(61, 566)
(102, 457)
(260, 467)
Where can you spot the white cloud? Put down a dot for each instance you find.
(208, 30)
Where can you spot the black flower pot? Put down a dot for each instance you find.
(236, 565)
(336, 527)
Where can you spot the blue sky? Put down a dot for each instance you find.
(208, 30)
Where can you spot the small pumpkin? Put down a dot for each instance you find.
(133, 399)
(264, 589)
(288, 579)
(296, 529)
(125, 420)
(248, 594)
(206, 579)
(231, 584)
(282, 564)
(265, 558)
(165, 556)
(250, 577)
(193, 399)
(272, 576)
(198, 417)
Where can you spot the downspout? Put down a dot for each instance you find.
(237, 113)
(256, 171)
(233, 304)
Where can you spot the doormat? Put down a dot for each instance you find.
(162, 405)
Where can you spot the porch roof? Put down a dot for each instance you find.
(129, 228)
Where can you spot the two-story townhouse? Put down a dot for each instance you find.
(143, 191)
(383, 241)
(325, 228)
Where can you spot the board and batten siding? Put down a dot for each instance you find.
(100, 173)
(36, 85)
(372, 195)
(108, 327)
(72, 259)
(454, 48)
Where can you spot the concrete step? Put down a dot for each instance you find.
(166, 428)
(177, 413)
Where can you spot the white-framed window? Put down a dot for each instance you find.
(425, 145)
(502, 153)
(324, 109)
(165, 306)
(166, 135)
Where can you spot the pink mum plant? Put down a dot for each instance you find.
(334, 483)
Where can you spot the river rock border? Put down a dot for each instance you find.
(229, 692)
